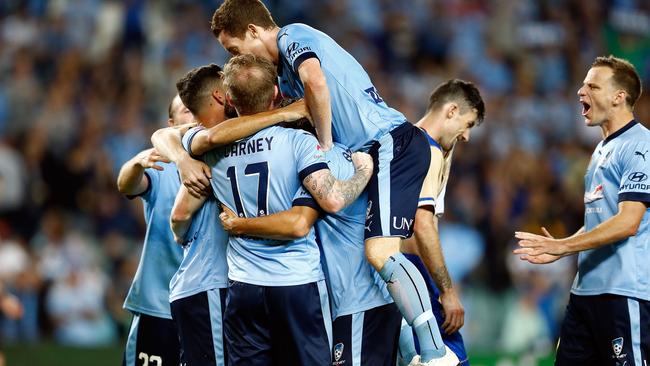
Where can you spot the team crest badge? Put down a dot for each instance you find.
(617, 347)
(338, 353)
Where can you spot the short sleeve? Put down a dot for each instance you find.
(186, 141)
(153, 177)
(304, 198)
(297, 44)
(308, 154)
(635, 164)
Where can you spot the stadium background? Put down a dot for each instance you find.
(84, 83)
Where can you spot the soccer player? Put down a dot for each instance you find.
(197, 289)
(347, 108)
(607, 319)
(153, 336)
(455, 107)
(277, 310)
(366, 322)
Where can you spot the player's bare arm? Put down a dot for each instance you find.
(332, 194)
(194, 174)
(317, 95)
(620, 226)
(238, 128)
(131, 180)
(426, 243)
(286, 225)
(184, 208)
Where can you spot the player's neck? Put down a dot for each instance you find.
(271, 42)
(618, 121)
(428, 123)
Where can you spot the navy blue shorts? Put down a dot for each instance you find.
(152, 341)
(367, 338)
(200, 326)
(605, 330)
(402, 159)
(284, 325)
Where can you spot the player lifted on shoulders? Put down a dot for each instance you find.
(347, 108)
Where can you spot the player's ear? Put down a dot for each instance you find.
(170, 122)
(619, 97)
(253, 29)
(219, 97)
(451, 110)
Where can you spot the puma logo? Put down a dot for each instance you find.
(641, 154)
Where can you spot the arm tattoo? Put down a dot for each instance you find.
(320, 188)
(441, 277)
(325, 186)
(351, 189)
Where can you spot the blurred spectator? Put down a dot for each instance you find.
(76, 304)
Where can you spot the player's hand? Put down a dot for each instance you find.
(228, 219)
(148, 159)
(526, 254)
(195, 175)
(536, 245)
(11, 306)
(454, 311)
(185, 127)
(295, 111)
(362, 161)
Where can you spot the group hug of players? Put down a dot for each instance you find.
(296, 247)
(314, 268)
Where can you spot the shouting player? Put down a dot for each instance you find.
(608, 315)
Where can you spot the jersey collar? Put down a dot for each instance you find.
(432, 142)
(620, 131)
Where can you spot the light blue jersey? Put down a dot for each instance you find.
(354, 285)
(359, 115)
(204, 265)
(257, 176)
(161, 256)
(618, 171)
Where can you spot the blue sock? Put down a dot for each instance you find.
(406, 342)
(408, 289)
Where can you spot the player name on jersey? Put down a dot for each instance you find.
(249, 146)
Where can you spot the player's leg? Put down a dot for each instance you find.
(401, 162)
(246, 325)
(200, 325)
(152, 341)
(577, 345)
(453, 341)
(301, 324)
(406, 351)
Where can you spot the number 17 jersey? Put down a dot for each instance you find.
(258, 176)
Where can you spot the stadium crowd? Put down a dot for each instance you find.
(84, 83)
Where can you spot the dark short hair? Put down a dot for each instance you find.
(234, 16)
(197, 85)
(461, 91)
(625, 76)
(249, 81)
